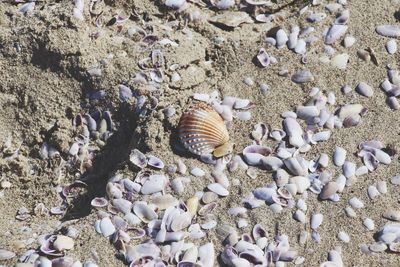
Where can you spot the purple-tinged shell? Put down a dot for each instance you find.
(155, 162)
(138, 158)
(99, 202)
(258, 232)
(370, 161)
(137, 233)
(263, 58)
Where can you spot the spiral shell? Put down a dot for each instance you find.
(203, 131)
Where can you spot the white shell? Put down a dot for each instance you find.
(373, 192)
(391, 46)
(349, 41)
(294, 132)
(155, 183)
(356, 203)
(364, 89)
(281, 38)
(335, 32)
(388, 30)
(343, 236)
(197, 172)
(316, 220)
(299, 216)
(369, 224)
(106, 227)
(349, 169)
(302, 184)
(218, 189)
(339, 156)
(340, 61)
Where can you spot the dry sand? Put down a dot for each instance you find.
(46, 81)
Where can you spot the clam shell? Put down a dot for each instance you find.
(202, 130)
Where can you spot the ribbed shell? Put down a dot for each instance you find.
(201, 130)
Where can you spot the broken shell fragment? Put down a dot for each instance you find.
(202, 131)
(388, 30)
(303, 76)
(334, 33)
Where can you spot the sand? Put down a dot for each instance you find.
(44, 80)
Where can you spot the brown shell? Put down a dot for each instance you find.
(202, 130)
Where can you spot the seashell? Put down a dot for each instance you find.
(265, 193)
(203, 131)
(192, 205)
(263, 57)
(302, 76)
(138, 158)
(316, 220)
(349, 41)
(106, 227)
(164, 201)
(175, 4)
(231, 19)
(364, 89)
(294, 132)
(144, 212)
(177, 186)
(351, 121)
(378, 247)
(99, 202)
(343, 236)
(244, 115)
(277, 135)
(281, 38)
(382, 187)
(356, 203)
(339, 156)
(349, 110)
(62, 262)
(394, 247)
(294, 167)
(334, 33)
(242, 104)
(62, 243)
(316, 17)
(342, 17)
(281, 177)
(271, 163)
(122, 205)
(350, 212)
(125, 93)
(6, 254)
(391, 46)
(307, 112)
(299, 216)
(340, 61)
(370, 161)
(197, 172)
(372, 192)
(349, 169)
(218, 189)
(181, 221)
(293, 37)
(391, 214)
(27, 7)
(301, 183)
(155, 162)
(248, 81)
(328, 190)
(155, 183)
(388, 30)
(393, 103)
(369, 224)
(320, 136)
(301, 47)
(253, 154)
(206, 255)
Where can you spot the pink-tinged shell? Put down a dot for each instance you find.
(202, 130)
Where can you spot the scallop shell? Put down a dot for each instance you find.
(202, 131)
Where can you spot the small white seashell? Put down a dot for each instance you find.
(294, 132)
(197, 172)
(155, 183)
(388, 30)
(155, 162)
(263, 57)
(316, 17)
(369, 224)
(293, 37)
(349, 41)
(364, 89)
(334, 33)
(343, 17)
(393, 103)
(301, 47)
(373, 192)
(343, 236)
(340, 61)
(144, 212)
(294, 167)
(361, 170)
(248, 81)
(301, 204)
(378, 247)
(320, 136)
(382, 187)
(329, 190)
(106, 227)
(206, 255)
(302, 76)
(302, 184)
(201, 97)
(6, 255)
(395, 179)
(350, 212)
(27, 7)
(218, 189)
(391, 46)
(175, 4)
(356, 203)
(177, 186)
(339, 156)
(349, 169)
(244, 115)
(276, 208)
(281, 38)
(316, 220)
(307, 112)
(299, 216)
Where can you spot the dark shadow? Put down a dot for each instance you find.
(112, 157)
(397, 15)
